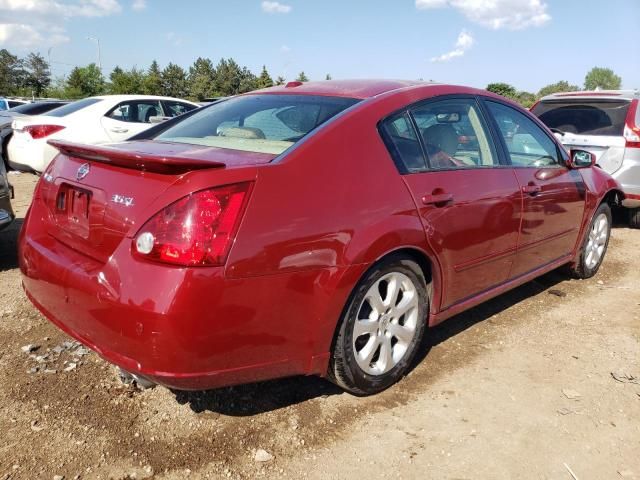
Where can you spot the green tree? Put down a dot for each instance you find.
(561, 86)
(174, 81)
(602, 78)
(264, 80)
(280, 80)
(11, 73)
(503, 89)
(126, 82)
(248, 81)
(328, 77)
(85, 82)
(302, 77)
(202, 79)
(152, 84)
(38, 76)
(526, 99)
(228, 77)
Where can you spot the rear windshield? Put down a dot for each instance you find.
(587, 117)
(256, 123)
(36, 108)
(73, 107)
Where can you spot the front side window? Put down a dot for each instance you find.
(454, 134)
(138, 111)
(528, 144)
(256, 123)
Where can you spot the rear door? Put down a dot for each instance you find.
(130, 118)
(469, 202)
(595, 125)
(553, 195)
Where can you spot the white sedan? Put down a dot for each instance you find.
(93, 120)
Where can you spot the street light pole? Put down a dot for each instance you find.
(97, 40)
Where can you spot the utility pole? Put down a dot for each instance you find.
(97, 40)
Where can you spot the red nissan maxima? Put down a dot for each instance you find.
(312, 228)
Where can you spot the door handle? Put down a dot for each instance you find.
(437, 199)
(531, 189)
(119, 130)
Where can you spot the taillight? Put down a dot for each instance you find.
(631, 130)
(197, 230)
(41, 131)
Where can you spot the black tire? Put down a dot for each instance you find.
(344, 370)
(634, 217)
(582, 268)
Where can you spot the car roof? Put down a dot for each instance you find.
(594, 95)
(119, 98)
(360, 89)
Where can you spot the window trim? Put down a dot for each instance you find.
(499, 139)
(503, 161)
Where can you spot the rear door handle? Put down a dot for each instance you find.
(531, 189)
(119, 130)
(438, 199)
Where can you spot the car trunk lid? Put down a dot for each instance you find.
(96, 195)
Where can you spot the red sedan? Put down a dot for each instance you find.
(312, 228)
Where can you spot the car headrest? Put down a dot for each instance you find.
(442, 136)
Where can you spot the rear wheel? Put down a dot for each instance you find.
(595, 244)
(381, 328)
(634, 217)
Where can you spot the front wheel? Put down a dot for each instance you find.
(381, 328)
(595, 244)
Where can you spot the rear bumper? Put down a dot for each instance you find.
(188, 329)
(32, 156)
(628, 175)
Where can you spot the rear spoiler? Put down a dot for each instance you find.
(136, 160)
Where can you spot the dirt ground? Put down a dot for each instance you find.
(541, 383)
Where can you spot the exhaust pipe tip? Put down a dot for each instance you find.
(129, 378)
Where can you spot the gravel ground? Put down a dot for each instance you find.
(542, 382)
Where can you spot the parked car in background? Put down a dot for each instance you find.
(313, 228)
(8, 103)
(93, 120)
(6, 194)
(605, 123)
(7, 117)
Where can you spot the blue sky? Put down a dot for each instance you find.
(528, 43)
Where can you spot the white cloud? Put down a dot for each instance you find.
(285, 49)
(33, 24)
(174, 39)
(275, 7)
(463, 43)
(496, 14)
(139, 5)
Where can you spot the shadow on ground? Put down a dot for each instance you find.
(9, 245)
(264, 397)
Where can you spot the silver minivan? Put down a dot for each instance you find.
(607, 124)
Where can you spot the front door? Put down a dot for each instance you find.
(553, 195)
(468, 202)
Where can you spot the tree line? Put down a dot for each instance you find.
(31, 76)
(597, 77)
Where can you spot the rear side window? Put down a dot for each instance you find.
(403, 144)
(454, 134)
(586, 117)
(73, 107)
(527, 143)
(136, 111)
(256, 123)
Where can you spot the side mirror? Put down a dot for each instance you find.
(581, 159)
